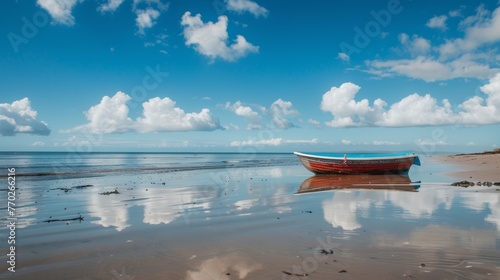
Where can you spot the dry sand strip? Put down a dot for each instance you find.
(479, 167)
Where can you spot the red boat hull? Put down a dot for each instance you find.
(379, 166)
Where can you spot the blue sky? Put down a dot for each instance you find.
(241, 75)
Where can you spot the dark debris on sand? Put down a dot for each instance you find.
(79, 218)
(73, 188)
(466, 184)
(295, 274)
(111, 192)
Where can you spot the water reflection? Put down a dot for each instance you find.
(222, 267)
(335, 181)
(109, 210)
(161, 205)
(346, 207)
(485, 202)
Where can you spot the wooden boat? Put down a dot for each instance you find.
(326, 182)
(356, 163)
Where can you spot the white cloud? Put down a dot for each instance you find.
(429, 142)
(147, 12)
(455, 13)
(415, 45)
(272, 142)
(19, 117)
(241, 6)
(431, 70)
(471, 144)
(162, 115)
(38, 144)
(346, 111)
(110, 6)
(75, 141)
(412, 110)
(264, 142)
(146, 19)
(438, 22)
(59, 10)
(343, 56)
(470, 56)
(385, 143)
(210, 39)
(307, 141)
(248, 113)
(484, 30)
(231, 126)
(416, 110)
(279, 110)
(111, 116)
(314, 122)
(346, 142)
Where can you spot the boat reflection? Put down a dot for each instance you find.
(325, 182)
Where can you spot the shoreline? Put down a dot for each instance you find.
(475, 167)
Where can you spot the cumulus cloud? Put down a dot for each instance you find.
(438, 22)
(211, 39)
(111, 116)
(247, 112)
(59, 10)
(271, 142)
(162, 115)
(242, 6)
(146, 19)
(19, 117)
(110, 6)
(416, 44)
(412, 110)
(279, 110)
(470, 56)
(147, 12)
(346, 110)
(279, 113)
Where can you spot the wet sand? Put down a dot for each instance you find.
(253, 223)
(474, 167)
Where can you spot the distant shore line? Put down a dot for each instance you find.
(493, 152)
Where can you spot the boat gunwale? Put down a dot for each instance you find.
(312, 156)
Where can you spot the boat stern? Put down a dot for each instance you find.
(416, 160)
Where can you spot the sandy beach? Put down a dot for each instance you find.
(266, 221)
(478, 167)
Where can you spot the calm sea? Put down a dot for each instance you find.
(64, 163)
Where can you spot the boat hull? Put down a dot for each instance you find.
(325, 165)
